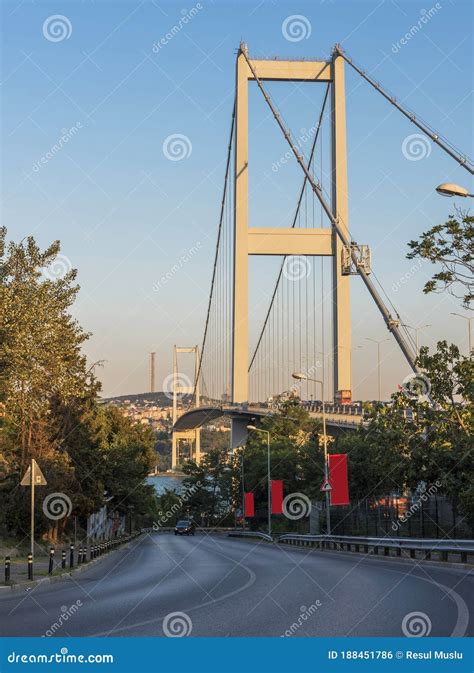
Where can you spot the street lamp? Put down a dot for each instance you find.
(416, 330)
(450, 189)
(255, 429)
(300, 376)
(378, 342)
(466, 317)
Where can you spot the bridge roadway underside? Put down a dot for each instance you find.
(241, 416)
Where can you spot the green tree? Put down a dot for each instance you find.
(450, 245)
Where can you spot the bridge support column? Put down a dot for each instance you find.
(341, 284)
(240, 353)
(193, 437)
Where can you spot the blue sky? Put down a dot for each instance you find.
(124, 212)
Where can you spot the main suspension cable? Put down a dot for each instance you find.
(391, 323)
(448, 147)
(219, 234)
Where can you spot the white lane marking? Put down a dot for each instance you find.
(462, 621)
(247, 585)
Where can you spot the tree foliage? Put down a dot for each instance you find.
(451, 245)
(49, 400)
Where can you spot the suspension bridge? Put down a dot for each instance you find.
(306, 326)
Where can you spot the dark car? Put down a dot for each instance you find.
(185, 527)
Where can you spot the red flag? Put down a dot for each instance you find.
(277, 496)
(249, 505)
(338, 479)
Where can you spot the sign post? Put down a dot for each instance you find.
(33, 477)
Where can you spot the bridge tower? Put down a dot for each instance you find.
(184, 386)
(281, 241)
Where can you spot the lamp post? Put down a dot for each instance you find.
(300, 376)
(450, 189)
(466, 317)
(255, 429)
(416, 330)
(379, 376)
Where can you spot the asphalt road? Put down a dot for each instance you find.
(235, 587)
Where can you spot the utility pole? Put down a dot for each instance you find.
(469, 320)
(379, 373)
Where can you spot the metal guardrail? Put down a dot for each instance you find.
(443, 548)
(250, 533)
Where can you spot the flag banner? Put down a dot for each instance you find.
(338, 479)
(277, 496)
(249, 505)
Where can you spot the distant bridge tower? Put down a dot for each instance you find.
(152, 372)
(182, 385)
(281, 241)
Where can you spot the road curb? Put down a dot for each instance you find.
(27, 586)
